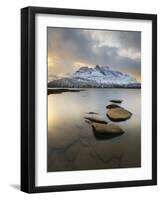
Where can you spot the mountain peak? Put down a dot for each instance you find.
(97, 67)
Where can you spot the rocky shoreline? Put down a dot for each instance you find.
(62, 90)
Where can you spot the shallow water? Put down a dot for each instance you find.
(72, 144)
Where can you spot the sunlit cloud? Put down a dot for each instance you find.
(50, 62)
(81, 64)
(129, 52)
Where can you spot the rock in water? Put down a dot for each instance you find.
(92, 113)
(112, 106)
(96, 119)
(116, 101)
(118, 114)
(106, 130)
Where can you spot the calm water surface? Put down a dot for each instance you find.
(71, 142)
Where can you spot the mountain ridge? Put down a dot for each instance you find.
(98, 77)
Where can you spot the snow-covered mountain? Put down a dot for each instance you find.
(100, 76)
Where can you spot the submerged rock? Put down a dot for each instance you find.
(116, 101)
(106, 130)
(92, 113)
(118, 114)
(88, 122)
(112, 106)
(96, 119)
(85, 141)
(72, 152)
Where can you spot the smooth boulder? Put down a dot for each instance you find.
(118, 114)
(106, 130)
(116, 101)
(96, 119)
(112, 106)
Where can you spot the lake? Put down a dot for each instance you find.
(72, 144)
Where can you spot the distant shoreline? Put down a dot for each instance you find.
(62, 90)
(117, 87)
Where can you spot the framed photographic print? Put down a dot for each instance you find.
(88, 99)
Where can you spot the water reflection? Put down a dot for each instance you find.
(71, 142)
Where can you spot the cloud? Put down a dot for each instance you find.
(122, 39)
(121, 50)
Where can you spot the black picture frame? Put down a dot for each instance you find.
(28, 98)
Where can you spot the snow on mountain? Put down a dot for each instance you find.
(100, 76)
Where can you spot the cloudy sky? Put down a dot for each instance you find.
(69, 49)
